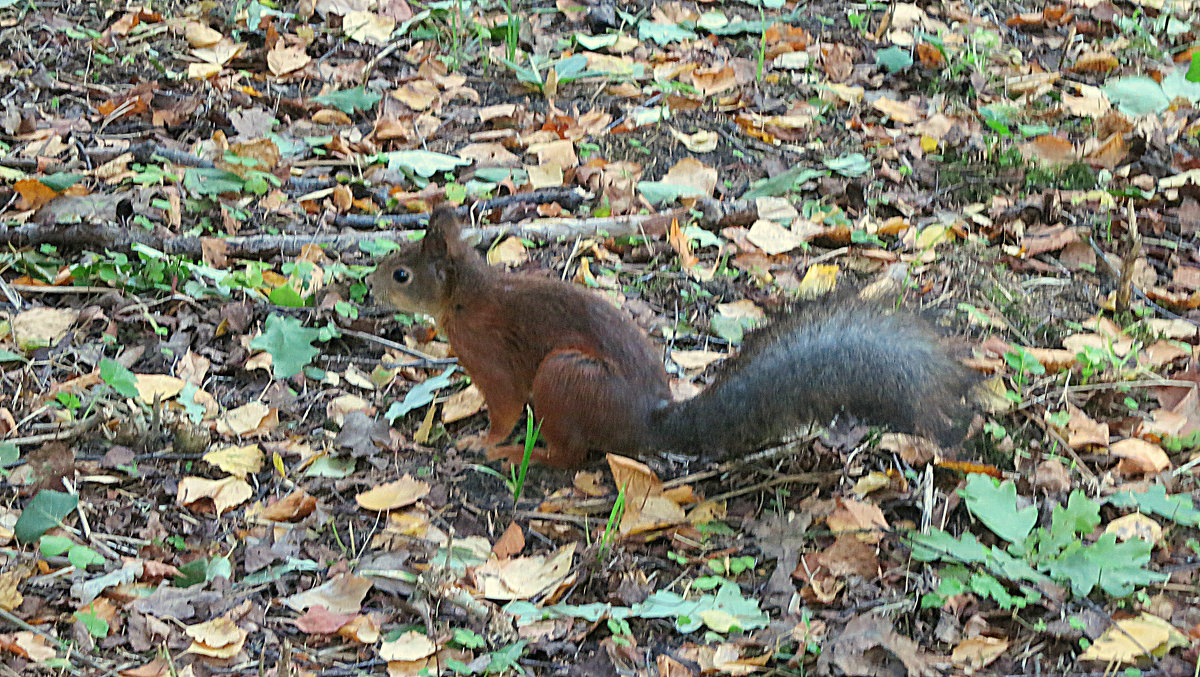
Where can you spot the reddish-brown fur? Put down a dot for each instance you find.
(592, 376)
(596, 382)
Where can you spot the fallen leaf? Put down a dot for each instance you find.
(237, 461)
(402, 492)
(225, 494)
(410, 646)
(1130, 639)
(218, 638)
(523, 577)
(341, 595)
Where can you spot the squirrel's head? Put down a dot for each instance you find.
(420, 277)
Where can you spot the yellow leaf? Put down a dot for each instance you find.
(820, 279)
(165, 387)
(237, 461)
(1129, 639)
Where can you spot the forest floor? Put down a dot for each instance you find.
(218, 456)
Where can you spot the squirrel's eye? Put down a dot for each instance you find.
(401, 275)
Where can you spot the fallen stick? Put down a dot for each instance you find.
(714, 216)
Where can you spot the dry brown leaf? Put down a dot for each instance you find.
(218, 638)
(976, 653)
(291, 508)
(511, 542)
(463, 404)
(523, 577)
(1083, 431)
(283, 60)
(225, 494)
(410, 646)
(772, 238)
(248, 420)
(864, 520)
(342, 595)
(41, 327)
(1139, 457)
(402, 492)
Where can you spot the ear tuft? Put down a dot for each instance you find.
(442, 238)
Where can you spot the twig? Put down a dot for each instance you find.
(88, 660)
(799, 478)
(424, 360)
(56, 289)
(78, 429)
(110, 236)
(1133, 248)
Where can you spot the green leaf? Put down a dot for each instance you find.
(203, 570)
(278, 571)
(1116, 567)
(187, 398)
(1013, 568)
(731, 329)
(289, 343)
(664, 34)
(118, 377)
(97, 627)
(53, 546)
(286, 296)
(1176, 507)
(9, 454)
(850, 166)
(468, 639)
(788, 181)
(660, 192)
(328, 466)
(1137, 95)
(1080, 516)
(938, 544)
(81, 556)
(1193, 72)
(60, 181)
(571, 68)
(420, 395)
(350, 100)
(996, 506)
(205, 181)
(688, 613)
(9, 356)
(422, 162)
(505, 659)
(712, 21)
(894, 59)
(45, 511)
(1177, 85)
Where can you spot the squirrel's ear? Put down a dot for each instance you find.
(442, 238)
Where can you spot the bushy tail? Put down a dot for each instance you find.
(846, 356)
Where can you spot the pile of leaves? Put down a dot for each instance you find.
(218, 458)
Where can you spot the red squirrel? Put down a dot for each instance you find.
(597, 384)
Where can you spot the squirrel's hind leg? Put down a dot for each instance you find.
(577, 402)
